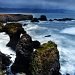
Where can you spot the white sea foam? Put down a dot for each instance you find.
(66, 44)
(4, 39)
(70, 30)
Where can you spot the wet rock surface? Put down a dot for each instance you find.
(4, 62)
(13, 30)
(45, 60)
(1, 27)
(62, 19)
(35, 20)
(43, 18)
(24, 50)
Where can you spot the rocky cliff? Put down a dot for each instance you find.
(45, 60)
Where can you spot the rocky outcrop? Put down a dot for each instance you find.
(24, 50)
(34, 20)
(43, 18)
(35, 44)
(45, 60)
(13, 30)
(14, 17)
(51, 20)
(4, 62)
(62, 19)
(1, 27)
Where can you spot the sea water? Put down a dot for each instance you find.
(62, 33)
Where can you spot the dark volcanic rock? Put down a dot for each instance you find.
(14, 17)
(43, 18)
(64, 19)
(4, 60)
(24, 51)
(1, 27)
(45, 60)
(27, 17)
(25, 24)
(50, 20)
(36, 44)
(13, 30)
(34, 20)
(48, 36)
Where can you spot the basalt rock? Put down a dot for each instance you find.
(4, 61)
(43, 18)
(1, 27)
(50, 20)
(48, 36)
(45, 60)
(64, 19)
(34, 20)
(24, 50)
(13, 30)
(36, 44)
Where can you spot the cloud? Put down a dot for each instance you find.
(47, 4)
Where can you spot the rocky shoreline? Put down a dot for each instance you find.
(43, 61)
(19, 17)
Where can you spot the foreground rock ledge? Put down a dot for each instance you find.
(45, 60)
(4, 62)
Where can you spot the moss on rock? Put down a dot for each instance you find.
(45, 60)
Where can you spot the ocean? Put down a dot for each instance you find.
(62, 33)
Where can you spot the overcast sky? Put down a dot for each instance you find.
(49, 4)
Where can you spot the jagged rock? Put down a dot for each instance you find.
(43, 18)
(13, 30)
(24, 51)
(34, 20)
(36, 44)
(1, 27)
(4, 61)
(45, 60)
(14, 17)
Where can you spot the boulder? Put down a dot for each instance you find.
(43, 18)
(13, 30)
(34, 20)
(45, 60)
(35, 44)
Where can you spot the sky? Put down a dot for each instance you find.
(46, 4)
